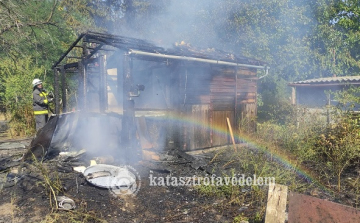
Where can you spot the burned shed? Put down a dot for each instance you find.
(192, 92)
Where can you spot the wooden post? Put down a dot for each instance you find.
(56, 91)
(328, 109)
(80, 100)
(236, 117)
(83, 76)
(63, 88)
(231, 133)
(293, 95)
(128, 121)
(211, 115)
(276, 204)
(103, 103)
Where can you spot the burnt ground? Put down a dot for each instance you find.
(26, 190)
(29, 201)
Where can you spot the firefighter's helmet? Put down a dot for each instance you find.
(36, 82)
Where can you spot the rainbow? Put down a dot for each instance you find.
(282, 159)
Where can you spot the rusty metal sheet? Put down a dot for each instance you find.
(303, 209)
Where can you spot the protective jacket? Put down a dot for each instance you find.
(40, 102)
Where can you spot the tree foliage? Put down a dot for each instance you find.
(298, 39)
(32, 36)
(26, 29)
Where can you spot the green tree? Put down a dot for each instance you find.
(336, 41)
(33, 34)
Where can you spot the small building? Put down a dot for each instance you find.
(193, 91)
(316, 93)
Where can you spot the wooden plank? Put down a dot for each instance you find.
(276, 204)
(222, 85)
(246, 79)
(222, 108)
(247, 84)
(251, 94)
(221, 82)
(293, 95)
(199, 133)
(231, 133)
(224, 103)
(223, 77)
(245, 72)
(219, 114)
(223, 90)
(238, 71)
(246, 95)
(247, 101)
(223, 97)
(247, 89)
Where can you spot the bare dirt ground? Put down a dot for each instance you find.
(26, 194)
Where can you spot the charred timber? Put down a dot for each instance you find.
(71, 65)
(128, 105)
(70, 48)
(63, 88)
(56, 91)
(103, 81)
(121, 42)
(94, 51)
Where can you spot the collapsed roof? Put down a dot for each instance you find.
(149, 51)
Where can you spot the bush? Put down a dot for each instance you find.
(274, 104)
(339, 146)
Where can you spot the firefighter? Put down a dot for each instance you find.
(41, 100)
